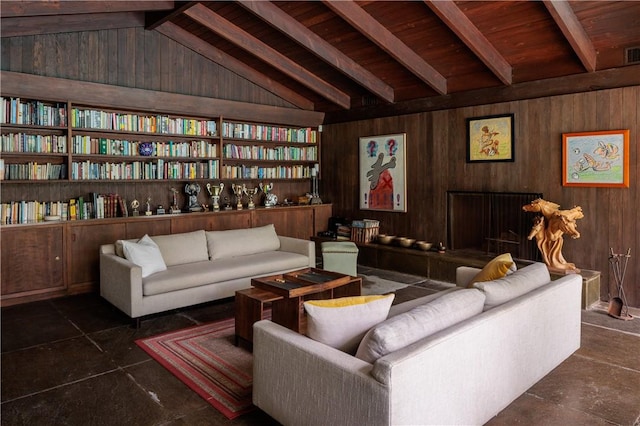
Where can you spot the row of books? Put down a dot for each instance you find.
(83, 144)
(32, 171)
(155, 170)
(268, 133)
(96, 206)
(106, 120)
(255, 172)
(285, 153)
(23, 142)
(37, 113)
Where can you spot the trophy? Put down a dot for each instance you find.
(250, 193)
(239, 191)
(148, 212)
(192, 190)
(315, 196)
(134, 206)
(174, 205)
(214, 192)
(270, 198)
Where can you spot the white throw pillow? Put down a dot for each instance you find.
(520, 282)
(422, 321)
(146, 254)
(341, 323)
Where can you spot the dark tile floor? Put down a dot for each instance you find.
(73, 361)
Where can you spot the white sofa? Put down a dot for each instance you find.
(201, 266)
(463, 374)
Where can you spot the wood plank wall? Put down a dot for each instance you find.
(436, 140)
(436, 152)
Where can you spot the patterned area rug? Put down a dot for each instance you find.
(205, 359)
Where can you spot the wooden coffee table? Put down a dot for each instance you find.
(286, 293)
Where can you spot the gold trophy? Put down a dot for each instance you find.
(250, 193)
(239, 191)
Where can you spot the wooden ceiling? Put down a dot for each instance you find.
(348, 57)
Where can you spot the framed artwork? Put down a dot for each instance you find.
(383, 173)
(490, 138)
(596, 159)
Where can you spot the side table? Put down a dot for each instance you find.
(249, 308)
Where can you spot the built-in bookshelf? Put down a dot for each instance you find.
(55, 142)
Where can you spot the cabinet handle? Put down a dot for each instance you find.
(57, 257)
(73, 237)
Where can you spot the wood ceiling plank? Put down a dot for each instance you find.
(246, 41)
(10, 9)
(154, 19)
(283, 22)
(380, 35)
(471, 36)
(34, 25)
(568, 23)
(210, 52)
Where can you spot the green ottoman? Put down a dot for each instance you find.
(340, 256)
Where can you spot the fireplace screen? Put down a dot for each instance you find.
(493, 222)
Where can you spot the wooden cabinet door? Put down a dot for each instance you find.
(85, 240)
(33, 261)
(289, 222)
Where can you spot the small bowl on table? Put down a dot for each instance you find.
(405, 242)
(385, 239)
(423, 245)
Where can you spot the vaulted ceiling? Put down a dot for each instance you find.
(341, 56)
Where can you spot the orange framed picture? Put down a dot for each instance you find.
(599, 159)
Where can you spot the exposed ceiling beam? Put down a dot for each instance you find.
(283, 22)
(562, 13)
(577, 83)
(154, 19)
(10, 9)
(246, 41)
(210, 52)
(457, 21)
(380, 35)
(13, 27)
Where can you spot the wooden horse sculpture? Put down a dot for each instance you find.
(548, 230)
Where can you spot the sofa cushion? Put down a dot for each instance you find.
(520, 282)
(187, 247)
(498, 267)
(240, 242)
(146, 254)
(422, 321)
(341, 323)
(179, 277)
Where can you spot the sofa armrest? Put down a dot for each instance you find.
(300, 381)
(464, 274)
(299, 246)
(120, 283)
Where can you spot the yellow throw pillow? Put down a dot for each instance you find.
(496, 268)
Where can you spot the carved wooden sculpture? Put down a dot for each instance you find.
(549, 229)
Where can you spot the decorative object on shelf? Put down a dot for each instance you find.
(270, 199)
(383, 173)
(214, 193)
(227, 203)
(160, 210)
(250, 193)
(618, 306)
(145, 148)
(598, 159)
(490, 138)
(148, 211)
(174, 203)
(135, 205)
(239, 191)
(315, 196)
(192, 189)
(548, 230)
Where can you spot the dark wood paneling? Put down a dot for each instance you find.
(32, 260)
(289, 222)
(436, 163)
